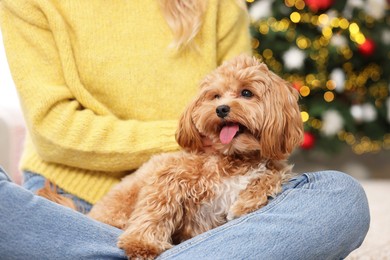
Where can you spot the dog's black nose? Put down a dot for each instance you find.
(223, 111)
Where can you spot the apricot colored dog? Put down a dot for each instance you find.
(253, 119)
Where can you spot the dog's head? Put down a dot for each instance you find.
(243, 108)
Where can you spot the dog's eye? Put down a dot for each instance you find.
(246, 93)
(217, 96)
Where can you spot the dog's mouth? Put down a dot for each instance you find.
(230, 130)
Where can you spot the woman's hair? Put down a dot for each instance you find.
(185, 18)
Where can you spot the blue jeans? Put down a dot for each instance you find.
(34, 182)
(320, 215)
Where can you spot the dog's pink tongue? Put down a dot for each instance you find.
(227, 133)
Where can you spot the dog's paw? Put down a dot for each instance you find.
(109, 220)
(231, 215)
(138, 249)
(237, 211)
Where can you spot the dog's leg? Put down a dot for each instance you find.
(256, 194)
(116, 207)
(157, 214)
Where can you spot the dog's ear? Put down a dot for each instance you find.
(187, 136)
(283, 128)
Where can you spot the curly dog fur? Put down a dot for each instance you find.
(253, 119)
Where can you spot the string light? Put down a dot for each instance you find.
(255, 43)
(305, 116)
(328, 96)
(330, 85)
(295, 17)
(264, 28)
(335, 22)
(343, 23)
(316, 123)
(323, 19)
(299, 4)
(267, 53)
(303, 42)
(304, 91)
(289, 3)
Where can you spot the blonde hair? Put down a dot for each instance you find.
(185, 18)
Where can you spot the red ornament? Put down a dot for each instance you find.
(298, 85)
(367, 48)
(316, 5)
(308, 141)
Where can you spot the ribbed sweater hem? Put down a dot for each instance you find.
(90, 186)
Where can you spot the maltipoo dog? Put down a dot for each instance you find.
(253, 120)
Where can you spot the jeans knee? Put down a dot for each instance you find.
(349, 202)
(341, 182)
(359, 209)
(350, 191)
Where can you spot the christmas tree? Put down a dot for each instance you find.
(337, 55)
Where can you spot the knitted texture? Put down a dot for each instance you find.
(100, 89)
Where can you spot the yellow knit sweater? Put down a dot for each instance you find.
(100, 89)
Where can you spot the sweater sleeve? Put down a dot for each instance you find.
(232, 30)
(66, 124)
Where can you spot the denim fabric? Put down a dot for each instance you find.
(34, 182)
(321, 215)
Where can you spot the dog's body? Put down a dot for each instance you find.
(253, 120)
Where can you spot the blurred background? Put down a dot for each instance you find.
(337, 55)
(12, 128)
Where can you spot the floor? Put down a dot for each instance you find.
(376, 246)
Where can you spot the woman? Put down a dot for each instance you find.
(102, 84)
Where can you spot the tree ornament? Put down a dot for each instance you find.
(376, 8)
(386, 36)
(338, 77)
(260, 9)
(357, 112)
(367, 48)
(297, 85)
(355, 3)
(364, 113)
(369, 112)
(308, 141)
(339, 40)
(316, 5)
(332, 122)
(350, 6)
(294, 58)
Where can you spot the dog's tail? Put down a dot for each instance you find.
(49, 191)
